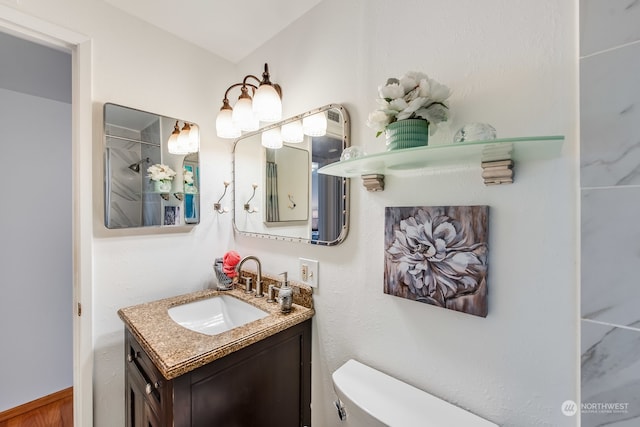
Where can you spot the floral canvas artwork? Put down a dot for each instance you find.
(438, 256)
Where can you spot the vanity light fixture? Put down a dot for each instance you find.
(194, 138)
(248, 112)
(247, 206)
(315, 124)
(217, 206)
(184, 141)
(172, 143)
(292, 132)
(272, 138)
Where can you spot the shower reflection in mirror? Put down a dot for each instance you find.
(135, 140)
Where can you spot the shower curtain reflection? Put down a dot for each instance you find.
(273, 214)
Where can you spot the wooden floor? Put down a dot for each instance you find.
(54, 410)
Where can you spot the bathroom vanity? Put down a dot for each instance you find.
(255, 374)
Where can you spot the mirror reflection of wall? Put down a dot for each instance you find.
(328, 204)
(286, 184)
(292, 201)
(135, 141)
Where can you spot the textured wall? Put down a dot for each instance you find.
(514, 65)
(609, 158)
(35, 222)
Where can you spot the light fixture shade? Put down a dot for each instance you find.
(315, 124)
(267, 105)
(292, 132)
(225, 128)
(243, 116)
(272, 138)
(172, 143)
(182, 145)
(194, 138)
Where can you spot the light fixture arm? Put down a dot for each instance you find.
(225, 101)
(263, 103)
(266, 81)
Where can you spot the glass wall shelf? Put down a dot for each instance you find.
(457, 155)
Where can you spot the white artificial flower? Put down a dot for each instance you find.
(391, 91)
(425, 88)
(378, 120)
(411, 80)
(411, 108)
(160, 172)
(398, 105)
(408, 83)
(417, 75)
(439, 92)
(414, 95)
(188, 177)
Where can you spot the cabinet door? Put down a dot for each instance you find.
(150, 418)
(266, 384)
(139, 410)
(144, 395)
(135, 400)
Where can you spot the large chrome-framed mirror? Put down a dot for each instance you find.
(278, 193)
(134, 141)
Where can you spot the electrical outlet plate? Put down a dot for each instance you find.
(309, 272)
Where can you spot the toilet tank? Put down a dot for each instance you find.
(370, 398)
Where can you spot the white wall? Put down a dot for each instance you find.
(512, 64)
(35, 222)
(35, 225)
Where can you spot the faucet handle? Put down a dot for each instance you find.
(272, 294)
(247, 284)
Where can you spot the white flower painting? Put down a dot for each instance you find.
(438, 255)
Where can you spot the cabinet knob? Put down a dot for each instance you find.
(132, 357)
(149, 387)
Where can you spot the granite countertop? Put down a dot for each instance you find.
(176, 350)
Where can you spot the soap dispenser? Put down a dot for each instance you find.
(285, 295)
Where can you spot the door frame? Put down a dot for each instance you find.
(28, 27)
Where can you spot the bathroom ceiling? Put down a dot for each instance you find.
(231, 29)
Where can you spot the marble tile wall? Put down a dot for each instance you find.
(610, 212)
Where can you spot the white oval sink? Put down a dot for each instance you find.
(215, 315)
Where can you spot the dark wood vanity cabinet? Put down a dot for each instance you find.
(265, 384)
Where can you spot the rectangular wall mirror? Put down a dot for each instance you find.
(151, 169)
(277, 191)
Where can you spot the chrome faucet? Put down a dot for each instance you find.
(259, 293)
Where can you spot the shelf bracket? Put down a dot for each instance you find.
(373, 182)
(497, 172)
(497, 164)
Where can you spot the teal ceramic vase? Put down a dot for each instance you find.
(162, 186)
(408, 133)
